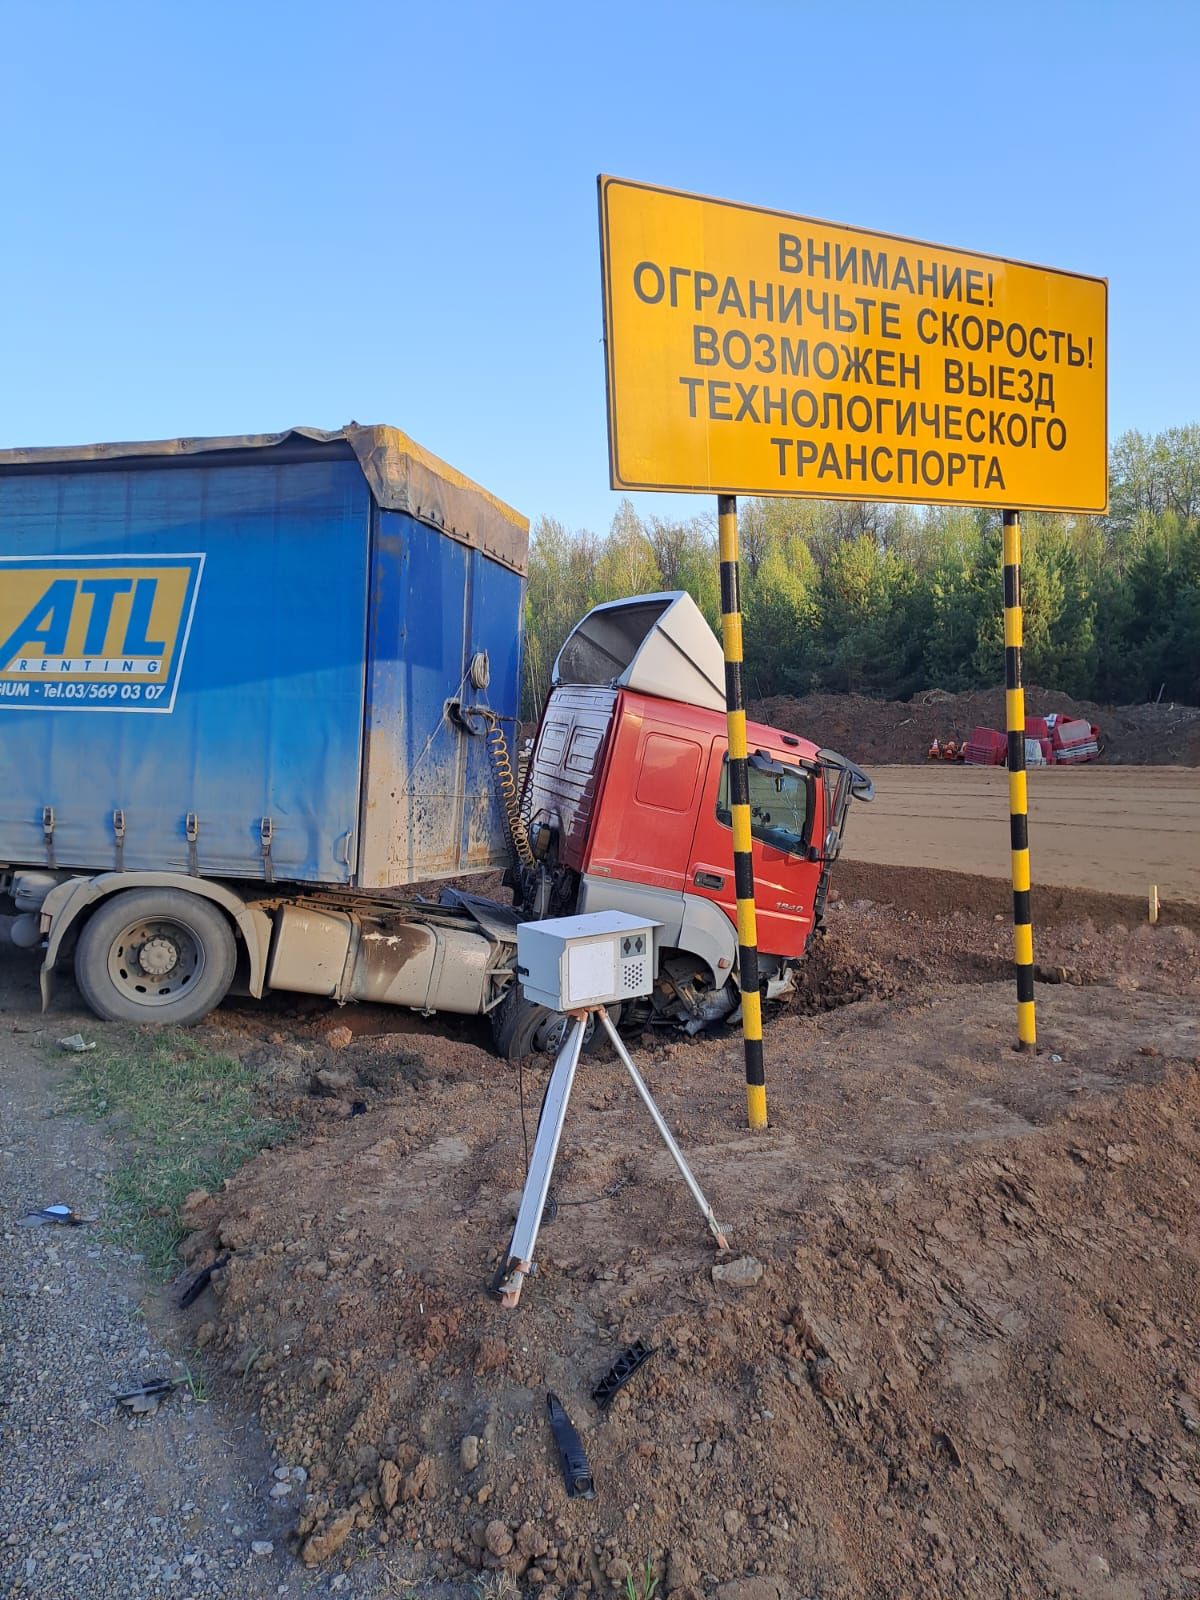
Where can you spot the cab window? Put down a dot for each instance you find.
(780, 803)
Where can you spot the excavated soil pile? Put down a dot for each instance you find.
(901, 731)
(953, 1351)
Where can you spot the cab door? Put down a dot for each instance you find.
(785, 802)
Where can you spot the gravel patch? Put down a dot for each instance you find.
(96, 1503)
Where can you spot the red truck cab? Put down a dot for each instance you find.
(627, 803)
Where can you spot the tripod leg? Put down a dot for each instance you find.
(541, 1166)
(676, 1153)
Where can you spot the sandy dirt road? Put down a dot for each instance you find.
(1104, 828)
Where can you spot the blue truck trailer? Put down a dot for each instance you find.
(251, 689)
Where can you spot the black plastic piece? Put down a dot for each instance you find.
(577, 1474)
(622, 1369)
(147, 1396)
(200, 1282)
(150, 1386)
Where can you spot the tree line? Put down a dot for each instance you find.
(888, 600)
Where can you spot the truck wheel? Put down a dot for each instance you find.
(522, 1028)
(155, 955)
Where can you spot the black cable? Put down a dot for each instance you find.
(609, 1192)
(521, 1093)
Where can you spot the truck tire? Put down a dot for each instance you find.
(522, 1028)
(155, 955)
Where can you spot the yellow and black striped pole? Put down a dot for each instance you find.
(1018, 788)
(739, 809)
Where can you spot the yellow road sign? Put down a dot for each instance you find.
(753, 352)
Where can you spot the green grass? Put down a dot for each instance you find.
(197, 1385)
(643, 1588)
(189, 1118)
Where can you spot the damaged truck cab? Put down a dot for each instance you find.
(627, 803)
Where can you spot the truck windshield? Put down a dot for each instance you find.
(779, 806)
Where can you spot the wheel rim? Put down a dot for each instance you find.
(156, 960)
(552, 1031)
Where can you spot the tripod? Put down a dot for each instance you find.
(545, 1150)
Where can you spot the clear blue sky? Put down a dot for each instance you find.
(225, 218)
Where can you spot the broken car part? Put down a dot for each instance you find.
(577, 1474)
(619, 1374)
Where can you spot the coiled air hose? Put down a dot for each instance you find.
(505, 780)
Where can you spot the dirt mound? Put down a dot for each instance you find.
(837, 972)
(933, 894)
(969, 1366)
(901, 731)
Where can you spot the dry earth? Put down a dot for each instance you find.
(971, 1362)
(890, 731)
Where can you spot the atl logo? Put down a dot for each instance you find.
(45, 628)
(108, 632)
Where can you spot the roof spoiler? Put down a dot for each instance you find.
(657, 644)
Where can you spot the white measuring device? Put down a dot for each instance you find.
(580, 966)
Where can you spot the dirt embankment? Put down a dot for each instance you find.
(901, 731)
(962, 1360)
